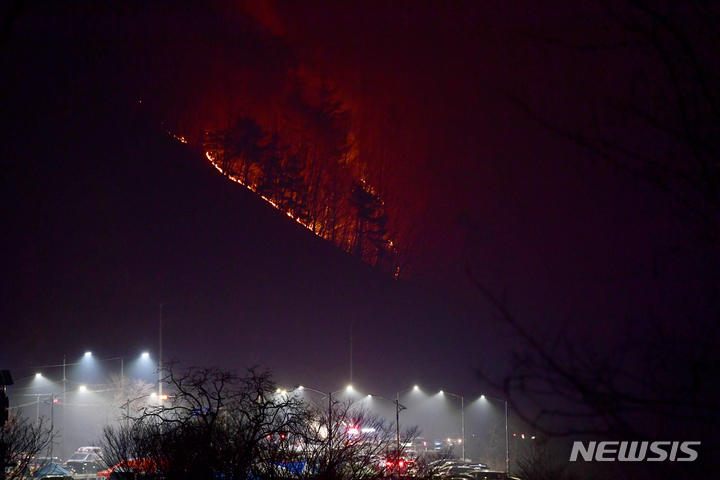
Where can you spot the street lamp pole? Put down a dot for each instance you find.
(52, 421)
(160, 353)
(398, 408)
(507, 440)
(397, 422)
(64, 411)
(507, 447)
(462, 416)
(329, 395)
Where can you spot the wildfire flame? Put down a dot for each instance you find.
(237, 179)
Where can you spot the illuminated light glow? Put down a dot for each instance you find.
(442, 393)
(145, 355)
(482, 397)
(367, 430)
(349, 388)
(369, 395)
(353, 431)
(153, 395)
(83, 388)
(38, 375)
(416, 387)
(180, 138)
(87, 354)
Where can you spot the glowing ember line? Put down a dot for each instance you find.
(237, 180)
(181, 138)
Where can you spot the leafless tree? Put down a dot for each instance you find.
(22, 440)
(661, 126)
(220, 423)
(356, 446)
(214, 423)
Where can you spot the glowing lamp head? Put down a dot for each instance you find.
(145, 355)
(87, 354)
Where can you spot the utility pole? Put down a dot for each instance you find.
(507, 442)
(64, 401)
(160, 355)
(351, 351)
(397, 424)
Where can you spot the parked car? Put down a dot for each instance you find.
(84, 462)
(481, 475)
(457, 469)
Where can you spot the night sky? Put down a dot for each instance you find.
(106, 216)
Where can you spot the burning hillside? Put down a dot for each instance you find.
(312, 174)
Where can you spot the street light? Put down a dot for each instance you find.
(90, 357)
(397, 412)
(398, 408)
(160, 365)
(507, 441)
(349, 388)
(462, 414)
